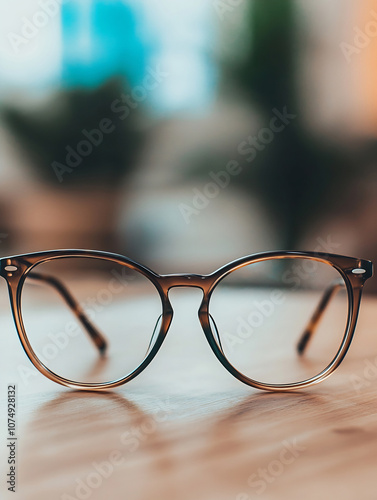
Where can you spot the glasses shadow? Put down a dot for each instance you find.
(271, 420)
(80, 437)
(287, 407)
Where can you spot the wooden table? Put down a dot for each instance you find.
(185, 429)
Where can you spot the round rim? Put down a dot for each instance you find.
(165, 323)
(326, 372)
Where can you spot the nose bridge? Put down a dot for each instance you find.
(185, 280)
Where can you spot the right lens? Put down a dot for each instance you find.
(72, 307)
(263, 310)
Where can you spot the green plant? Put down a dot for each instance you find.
(299, 176)
(45, 132)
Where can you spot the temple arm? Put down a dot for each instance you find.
(311, 327)
(96, 336)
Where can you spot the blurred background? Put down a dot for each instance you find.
(187, 134)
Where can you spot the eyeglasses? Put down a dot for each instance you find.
(95, 320)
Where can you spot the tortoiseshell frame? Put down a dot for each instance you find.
(346, 266)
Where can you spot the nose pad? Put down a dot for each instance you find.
(156, 330)
(215, 330)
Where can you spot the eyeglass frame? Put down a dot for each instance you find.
(354, 271)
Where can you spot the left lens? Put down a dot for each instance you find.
(65, 301)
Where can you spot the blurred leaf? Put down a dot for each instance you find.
(46, 132)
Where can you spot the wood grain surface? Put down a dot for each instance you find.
(186, 429)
